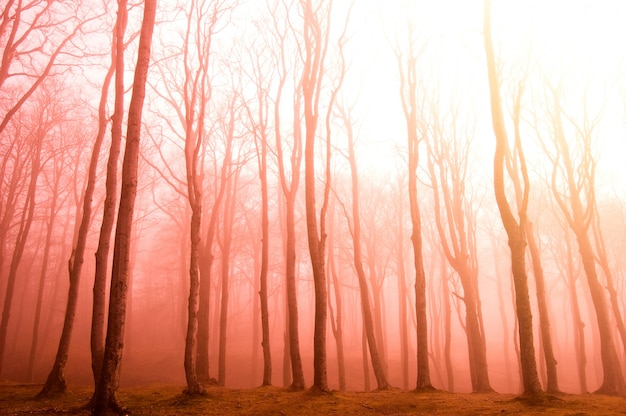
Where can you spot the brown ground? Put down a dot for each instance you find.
(19, 399)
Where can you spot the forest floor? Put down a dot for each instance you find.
(19, 399)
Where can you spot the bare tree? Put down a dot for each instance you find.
(44, 116)
(35, 33)
(577, 203)
(515, 228)
(448, 159)
(316, 33)
(407, 67)
(355, 231)
(260, 126)
(289, 177)
(105, 396)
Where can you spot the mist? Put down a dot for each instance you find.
(313, 202)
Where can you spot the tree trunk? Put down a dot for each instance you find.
(263, 292)
(407, 67)
(108, 216)
(544, 317)
(229, 208)
(106, 390)
(403, 309)
(515, 231)
(314, 46)
(579, 325)
(336, 318)
(42, 280)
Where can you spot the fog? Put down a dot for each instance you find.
(232, 103)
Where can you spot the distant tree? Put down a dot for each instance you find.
(105, 396)
(55, 383)
(260, 128)
(336, 312)
(448, 160)
(515, 228)
(407, 61)
(355, 231)
(574, 167)
(42, 119)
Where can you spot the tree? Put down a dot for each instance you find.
(316, 33)
(407, 68)
(289, 187)
(515, 228)
(42, 123)
(260, 130)
(106, 389)
(55, 383)
(98, 312)
(577, 203)
(355, 231)
(448, 156)
(35, 33)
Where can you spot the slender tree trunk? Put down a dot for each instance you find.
(579, 325)
(229, 208)
(108, 217)
(263, 292)
(336, 318)
(544, 317)
(42, 281)
(106, 390)
(366, 367)
(368, 321)
(407, 66)
(515, 231)
(194, 385)
(402, 309)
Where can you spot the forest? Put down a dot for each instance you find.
(312, 197)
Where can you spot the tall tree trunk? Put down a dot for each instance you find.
(336, 318)
(228, 218)
(579, 325)
(368, 322)
(98, 313)
(544, 317)
(42, 280)
(106, 390)
(514, 230)
(402, 302)
(263, 292)
(407, 66)
(314, 49)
